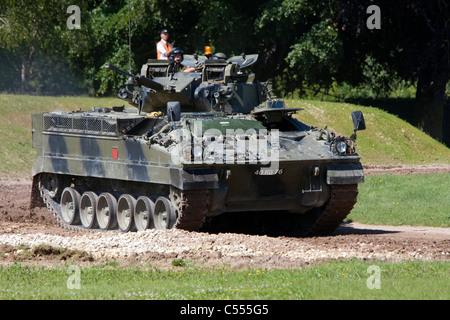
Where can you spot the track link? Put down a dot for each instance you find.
(54, 208)
(342, 200)
(192, 207)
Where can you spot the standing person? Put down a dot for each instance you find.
(163, 47)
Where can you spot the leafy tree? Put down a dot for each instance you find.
(28, 28)
(413, 43)
(225, 25)
(303, 44)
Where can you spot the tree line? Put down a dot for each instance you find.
(304, 45)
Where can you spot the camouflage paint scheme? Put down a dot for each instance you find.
(137, 150)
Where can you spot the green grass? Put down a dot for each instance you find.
(418, 200)
(387, 140)
(332, 280)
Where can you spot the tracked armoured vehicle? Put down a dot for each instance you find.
(204, 149)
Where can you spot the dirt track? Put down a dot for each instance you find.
(22, 230)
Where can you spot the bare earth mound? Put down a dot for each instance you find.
(46, 242)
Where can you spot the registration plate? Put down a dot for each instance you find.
(268, 172)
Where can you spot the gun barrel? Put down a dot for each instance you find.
(141, 80)
(146, 82)
(112, 67)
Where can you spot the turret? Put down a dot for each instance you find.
(217, 85)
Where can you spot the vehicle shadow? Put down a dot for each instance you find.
(347, 228)
(276, 225)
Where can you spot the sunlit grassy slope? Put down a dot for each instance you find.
(387, 140)
(16, 153)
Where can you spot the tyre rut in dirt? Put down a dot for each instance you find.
(164, 214)
(107, 211)
(88, 208)
(143, 213)
(70, 201)
(125, 213)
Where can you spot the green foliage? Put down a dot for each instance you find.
(178, 263)
(315, 57)
(28, 26)
(37, 35)
(307, 47)
(318, 44)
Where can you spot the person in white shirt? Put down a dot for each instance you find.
(163, 47)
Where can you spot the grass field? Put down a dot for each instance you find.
(417, 200)
(16, 152)
(333, 280)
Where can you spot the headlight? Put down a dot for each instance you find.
(341, 147)
(198, 152)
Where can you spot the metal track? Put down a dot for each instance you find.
(342, 200)
(55, 210)
(316, 222)
(192, 207)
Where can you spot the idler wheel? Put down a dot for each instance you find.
(143, 213)
(53, 183)
(70, 212)
(164, 215)
(88, 208)
(125, 213)
(107, 211)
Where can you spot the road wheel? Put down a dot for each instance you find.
(164, 215)
(125, 213)
(70, 212)
(107, 211)
(88, 208)
(143, 213)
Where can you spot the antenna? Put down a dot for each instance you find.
(129, 36)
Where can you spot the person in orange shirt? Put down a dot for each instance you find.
(163, 47)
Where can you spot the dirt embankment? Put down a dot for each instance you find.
(35, 236)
